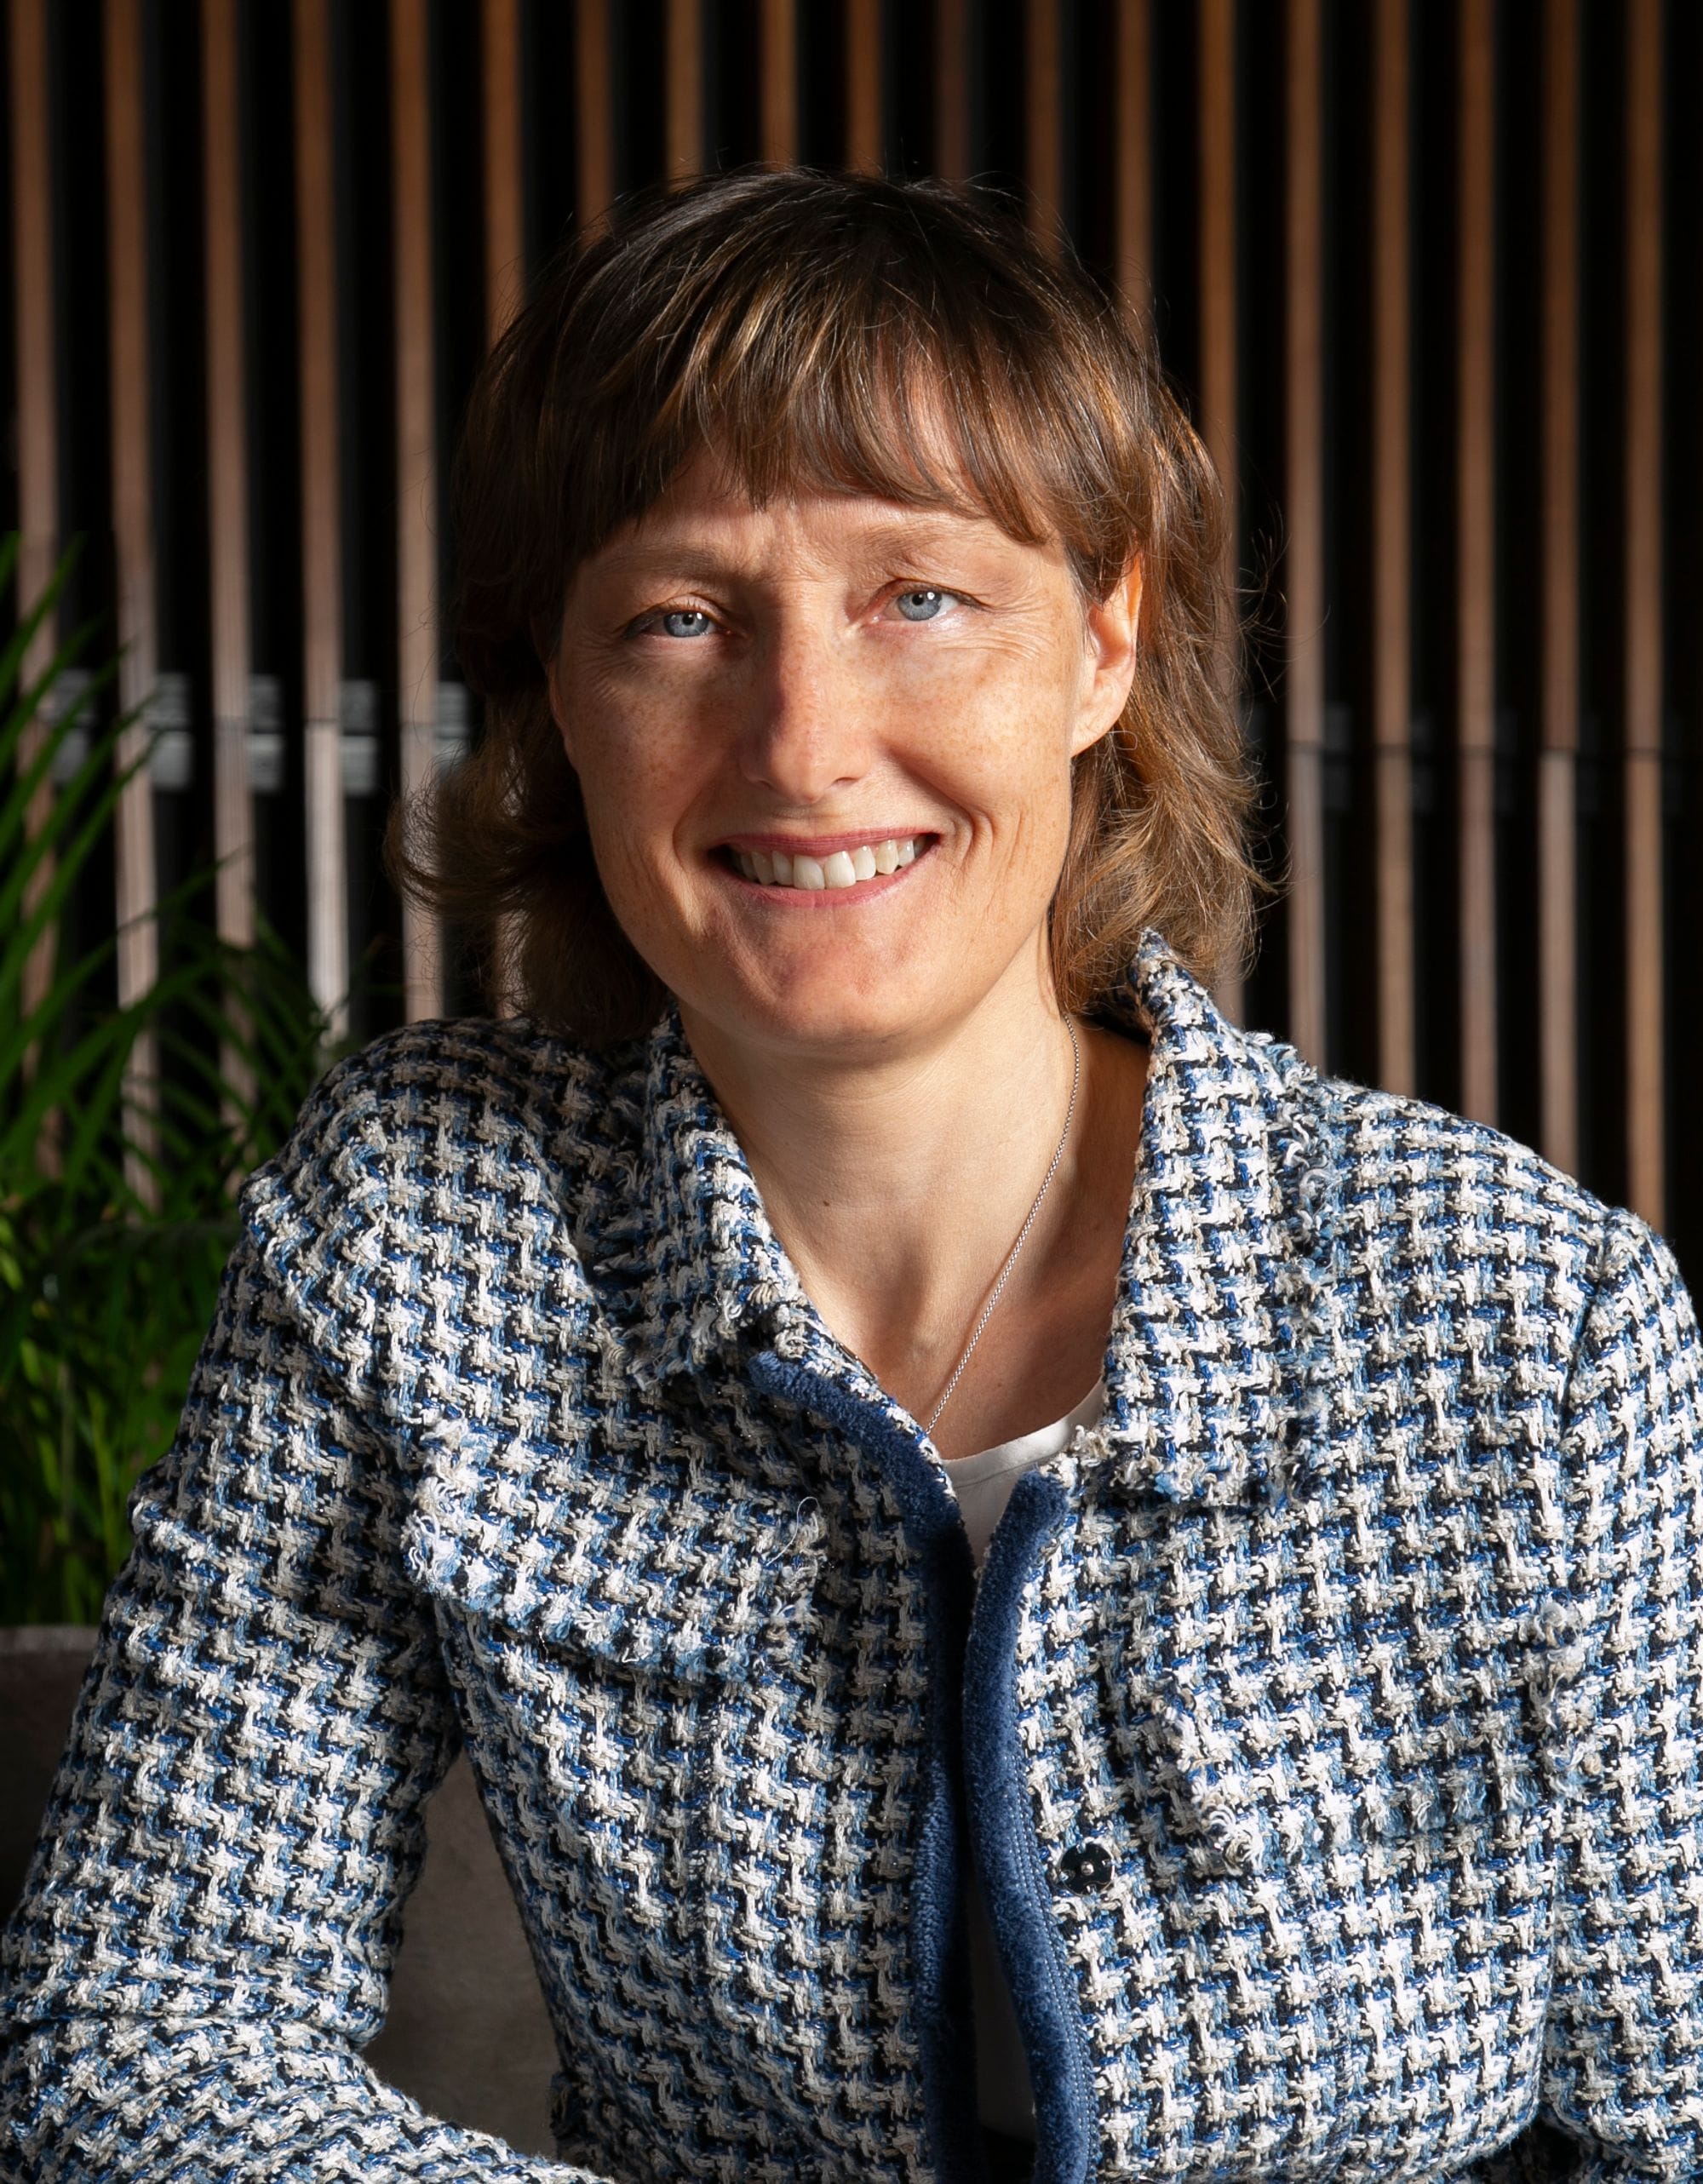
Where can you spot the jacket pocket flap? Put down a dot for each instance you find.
(661, 1572)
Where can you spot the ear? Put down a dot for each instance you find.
(1111, 634)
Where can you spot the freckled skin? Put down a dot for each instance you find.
(811, 705)
(895, 1067)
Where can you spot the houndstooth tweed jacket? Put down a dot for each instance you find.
(1324, 1724)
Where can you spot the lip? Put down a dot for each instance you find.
(821, 845)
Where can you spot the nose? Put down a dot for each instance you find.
(806, 727)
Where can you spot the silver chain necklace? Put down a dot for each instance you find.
(1021, 1234)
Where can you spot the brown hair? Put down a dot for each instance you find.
(819, 330)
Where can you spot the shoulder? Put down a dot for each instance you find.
(1465, 1281)
(1455, 1230)
(1494, 1247)
(425, 1123)
(420, 1072)
(1406, 1159)
(445, 1188)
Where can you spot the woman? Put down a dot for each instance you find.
(987, 1533)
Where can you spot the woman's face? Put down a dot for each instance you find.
(825, 753)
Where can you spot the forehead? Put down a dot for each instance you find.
(707, 506)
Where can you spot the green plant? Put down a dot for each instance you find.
(117, 1204)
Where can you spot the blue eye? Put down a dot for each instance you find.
(686, 621)
(921, 605)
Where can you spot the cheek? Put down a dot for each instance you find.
(1008, 759)
(636, 776)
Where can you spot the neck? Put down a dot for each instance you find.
(899, 1184)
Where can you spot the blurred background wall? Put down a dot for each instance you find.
(1428, 272)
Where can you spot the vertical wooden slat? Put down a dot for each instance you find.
(416, 467)
(1219, 398)
(227, 477)
(1132, 160)
(593, 102)
(1391, 552)
(1304, 691)
(778, 88)
(864, 149)
(1558, 701)
(35, 329)
(1646, 1133)
(1217, 77)
(505, 273)
(133, 540)
(952, 89)
(684, 87)
(1132, 197)
(35, 318)
(505, 218)
(322, 546)
(1476, 561)
(1043, 120)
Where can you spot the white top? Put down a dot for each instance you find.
(983, 1484)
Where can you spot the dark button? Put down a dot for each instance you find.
(1086, 1866)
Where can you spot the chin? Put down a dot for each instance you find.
(819, 1014)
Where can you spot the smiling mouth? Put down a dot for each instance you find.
(776, 868)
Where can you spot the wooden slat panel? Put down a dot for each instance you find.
(416, 467)
(1304, 690)
(1392, 519)
(227, 477)
(779, 89)
(1475, 564)
(1219, 392)
(35, 331)
(952, 89)
(1557, 791)
(1043, 120)
(322, 542)
(594, 100)
(685, 87)
(132, 538)
(1646, 1163)
(1132, 175)
(505, 203)
(864, 147)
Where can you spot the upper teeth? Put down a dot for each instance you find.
(844, 869)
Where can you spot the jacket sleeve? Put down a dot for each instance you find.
(212, 1911)
(1623, 2072)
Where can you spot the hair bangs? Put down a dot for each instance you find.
(863, 375)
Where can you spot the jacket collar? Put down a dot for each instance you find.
(707, 1270)
(1212, 1358)
(1207, 1367)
